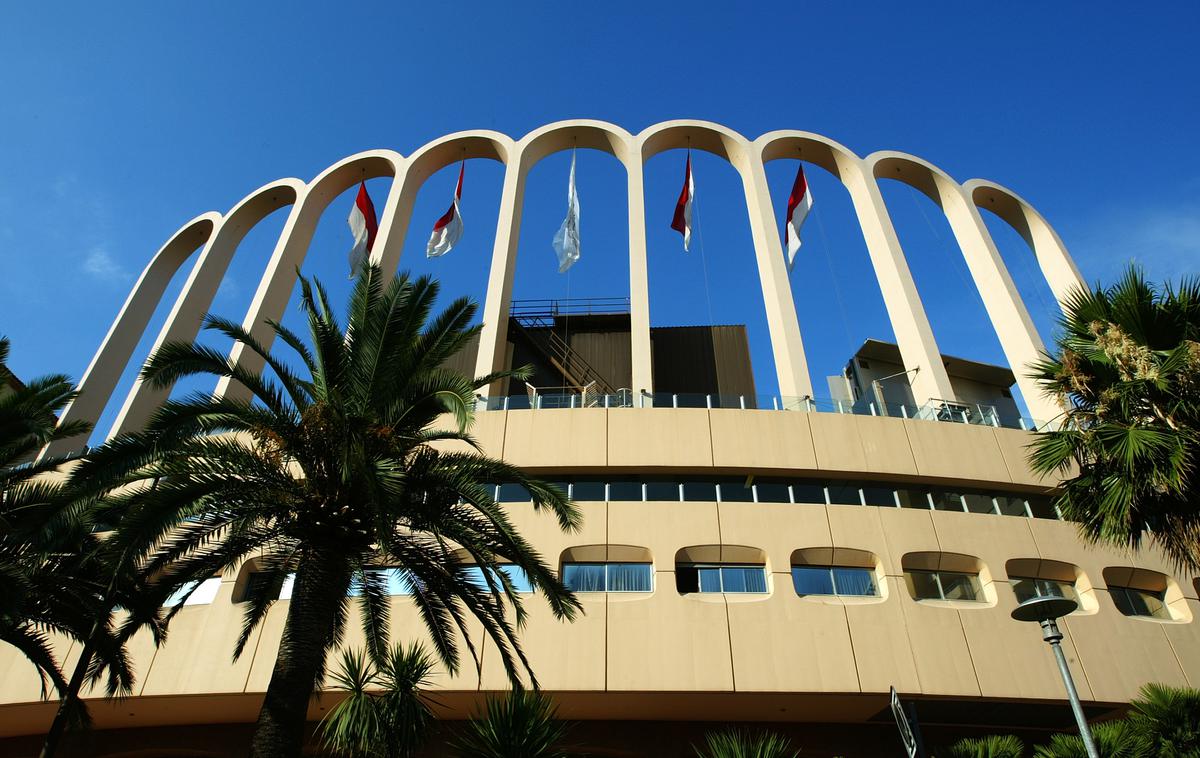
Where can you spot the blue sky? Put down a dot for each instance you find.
(117, 128)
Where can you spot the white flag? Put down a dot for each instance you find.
(566, 242)
(448, 229)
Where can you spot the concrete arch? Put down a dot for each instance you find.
(701, 135)
(195, 300)
(1055, 262)
(586, 133)
(1006, 310)
(111, 358)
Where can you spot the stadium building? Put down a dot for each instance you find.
(782, 560)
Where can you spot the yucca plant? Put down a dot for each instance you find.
(329, 471)
(989, 746)
(733, 743)
(384, 713)
(521, 724)
(1127, 372)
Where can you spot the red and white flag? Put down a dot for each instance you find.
(449, 228)
(800, 202)
(682, 222)
(363, 226)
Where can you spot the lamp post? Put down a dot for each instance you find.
(1046, 611)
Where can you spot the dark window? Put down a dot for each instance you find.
(913, 499)
(625, 490)
(513, 493)
(881, 496)
(812, 580)
(979, 503)
(736, 492)
(1135, 602)
(1011, 505)
(944, 585)
(1026, 588)
(844, 493)
(662, 491)
(587, 490)
(772, 492)
(812, 493)
(687, 579)
(700, 491)
(947, 501)
(1042, 507)
(720, 578)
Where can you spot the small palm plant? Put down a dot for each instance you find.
(1168, 718)
(1114, 739)
(733, 743)
(990, 746)
(384, 714)
(523, 724)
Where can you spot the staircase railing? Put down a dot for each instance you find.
(539, 333)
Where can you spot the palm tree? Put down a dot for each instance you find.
(1127, 371)
(1168, 718)
(52, 564)
(990, 746)
(1114, 739)
(391, 723)
(330, 471)
(522, 724)
(733, 743)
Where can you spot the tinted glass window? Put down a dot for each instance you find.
(662, 491)
(1042, 507)
(957, 586)
(925, 585)
(743, 579)
(978, 503)
(630, 577)
(587, 490)
(584, 577)
(812, 493)
(710, 578)
(812, 580)
(513, 493)
(947, 501)
(854, 580)
(625, 490)
(881, 496)
(913, 499)
(700, 491)
(516, 576)
(772, 492)
(844, 493)
(1011, 505)
(736, 492)
(1134, 602)
(1028, 588)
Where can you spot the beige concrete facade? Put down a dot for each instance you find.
(217, 236)
(647, 655)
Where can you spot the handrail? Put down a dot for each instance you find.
(560, 354)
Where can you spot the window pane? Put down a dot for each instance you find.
(710, 578)
(772, 492)
(880, 496)
(743, 579)
(625, 490)
(584, 577)
(1042, 507)
(1133, 602)
(1011, 505)
(285, 591)
(844, 493)
(1024, 589)
(977, 503)
(924, 585)
(913, 499)
(205, 592)
(399, 582)
(518, 577)
(587, 491)
(957, 586)
(854, 581)
(668, 491)
(630, 577)
(812, 493)
(513, 493)
(687, 579)
(947, 501)
(736, 492)
(700, 491)
(812, 580)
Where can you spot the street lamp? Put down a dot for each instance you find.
(1046, 611)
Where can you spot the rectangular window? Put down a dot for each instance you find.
(810, 493)
(1026, 588)
(587, 491)
(945, 585)
(1135, 602)
(203, 593)
(731, 579)
(854, 580)
(736, 492)
(947, 501)
(1042, 507)
(813, 580)
(625, 490)
(608, 577)
(844, 493)
(772, 492)
(397, 582)
(515, 574)
(913, 499)
(513, 493)
(705, 492)
(1011, 505)
(884, 497)
(979, 503)
(665, 491)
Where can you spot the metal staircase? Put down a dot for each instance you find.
(534, 322)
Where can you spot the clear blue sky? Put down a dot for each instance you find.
(118, 127)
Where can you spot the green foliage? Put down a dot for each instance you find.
(1114, 739)
(1168, 719)
(329, 470)
(522, 724)
(384, 714)
(734, 743)
(1127, 371)
(990, 746)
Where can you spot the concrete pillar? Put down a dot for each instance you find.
(1018, 335)
(913, 333)
(493, 340)
(639, 280)
(195, 299)
(791, 365)
(103, 373)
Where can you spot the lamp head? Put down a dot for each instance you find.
(1044, 608)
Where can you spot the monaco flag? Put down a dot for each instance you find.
(363, 226)
(682, 222)
(449, 228)
(800, 202)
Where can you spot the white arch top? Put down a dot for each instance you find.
(218, 236)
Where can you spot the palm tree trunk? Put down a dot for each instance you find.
(70, 700)
(321, 584)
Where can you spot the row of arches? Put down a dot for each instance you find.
(217, 236)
